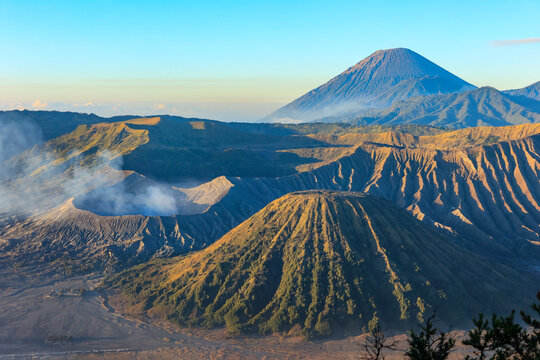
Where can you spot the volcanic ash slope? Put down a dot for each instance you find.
(315, 261)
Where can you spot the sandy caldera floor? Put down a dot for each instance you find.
(36, 325)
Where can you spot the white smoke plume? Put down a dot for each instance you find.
(37, 177)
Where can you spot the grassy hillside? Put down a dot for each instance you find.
(314, 261)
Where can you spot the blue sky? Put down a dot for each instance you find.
(239, 60)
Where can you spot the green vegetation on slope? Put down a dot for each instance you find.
(316, 260)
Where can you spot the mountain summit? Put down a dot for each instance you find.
(399, 64)
(377, 81)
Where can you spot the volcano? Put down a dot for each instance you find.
(378, 81)
(315, 261)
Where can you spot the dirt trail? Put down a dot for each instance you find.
(32, 323)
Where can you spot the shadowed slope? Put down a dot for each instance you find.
(480, 107)
(207, 149)
(319, 259)
(52, 124)
(532, 91)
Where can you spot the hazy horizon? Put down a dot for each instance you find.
(240, 61)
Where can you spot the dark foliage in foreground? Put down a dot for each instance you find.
(503, 338)
(429, 343)
(376, 342)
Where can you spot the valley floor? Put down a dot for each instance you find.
(48, 318)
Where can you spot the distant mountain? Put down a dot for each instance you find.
(532, 91)
(52, 124)
(377, 81)
(485, 106)
(318, 260)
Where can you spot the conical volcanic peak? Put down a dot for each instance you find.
(379, 80)
(318, 260)
(399, 63)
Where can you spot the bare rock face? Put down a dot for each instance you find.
(88, 241)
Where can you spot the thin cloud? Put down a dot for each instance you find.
(516, 42)
(38, 104)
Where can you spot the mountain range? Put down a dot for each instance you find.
(404, 190)
(116, 210)
(399, 86)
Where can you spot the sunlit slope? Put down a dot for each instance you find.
(87, 143)
(462, 138)
(178, 149)
(449, 140)
(85, 159)
(316, 260)
(481, 183)
(489, 194)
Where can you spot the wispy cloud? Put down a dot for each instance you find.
(38, 104)
(516, 42)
